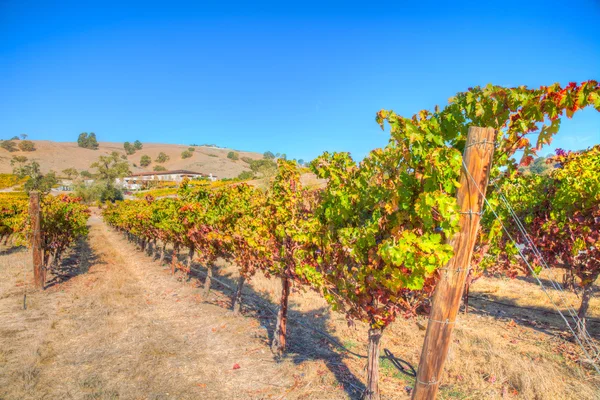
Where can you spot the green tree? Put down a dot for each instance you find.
(264, 167)
(191, 149)
(26, 145)
(18, 160)
(539, 166)
(186, 154)
(137, 145)
(37, 181)
(232, 155)
(87, 141)
(70, 173)
(108, 169)
(8, 145)
(145, 160)
(129, 148)
(23, 136)
(162, 158)
(159, 168)
(86, 174)
(245, 175)
(267, 155)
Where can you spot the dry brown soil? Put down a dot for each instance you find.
(123, 328)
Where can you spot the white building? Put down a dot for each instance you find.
(141, 179)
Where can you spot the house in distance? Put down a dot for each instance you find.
(144, 179)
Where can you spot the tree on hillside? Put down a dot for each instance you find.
(129, 148)
(86, 174)
(87, 141)
(232, 155)
(191, 149)
(267, 155)
(15, 138)
(264, 167)
(108, 169)
(539, 166)
(18, 160)
(159, 168)
(26, 145)
(8, 145)
(186, 154)
(37, 181)
(23, 136)
(245, 175)
(70, 173)
(162, 158)
(137, 145)
(145, 160)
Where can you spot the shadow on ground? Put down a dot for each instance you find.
(77, 262)
(303, 343)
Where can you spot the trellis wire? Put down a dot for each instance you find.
(585, 351)
(557, 286)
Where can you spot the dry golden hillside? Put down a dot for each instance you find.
(58, 156)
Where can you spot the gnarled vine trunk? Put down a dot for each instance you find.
(174, 259)
(372, 389)
(586, 295)
(237, 297)
(190, 257)
(278, 345)
(207, 282)
(162, 254)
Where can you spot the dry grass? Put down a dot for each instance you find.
(58, 156)
(126, 329)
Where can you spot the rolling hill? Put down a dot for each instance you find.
(58, 156)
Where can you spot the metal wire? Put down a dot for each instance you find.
(557, 286)
(585, 351)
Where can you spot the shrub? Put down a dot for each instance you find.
(145, 160)
(265, 167)
(162, 158)
(159, 168)
(246, 159)
(70, 173)
(245, 175)
(18, 160)
(232, 155)
(8, 145)
(186, 154)
(191, 149)
(26, 145)
(137, 145)
(267, 155)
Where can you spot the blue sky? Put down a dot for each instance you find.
(291, 77)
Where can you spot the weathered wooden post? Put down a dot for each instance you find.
(39, 275)
(477, 158)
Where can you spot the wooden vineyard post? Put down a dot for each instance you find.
(36, 240)
(474, 177)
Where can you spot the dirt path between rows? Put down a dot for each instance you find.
(124, 328)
